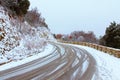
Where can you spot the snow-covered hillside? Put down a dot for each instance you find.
(18, 39)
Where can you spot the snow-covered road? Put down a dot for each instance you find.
(66, 62)
(108, 65)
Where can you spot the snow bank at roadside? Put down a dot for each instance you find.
(48, 50)
(28, 47)
(108, 65)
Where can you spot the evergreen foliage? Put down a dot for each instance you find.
(112, 36)
(18, 7)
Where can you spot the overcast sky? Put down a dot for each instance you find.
(65, 16)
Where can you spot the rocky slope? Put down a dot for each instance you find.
(19, 40)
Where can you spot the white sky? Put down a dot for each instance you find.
(65, 16)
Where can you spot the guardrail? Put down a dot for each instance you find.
(111, 51)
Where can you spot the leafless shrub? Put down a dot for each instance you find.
(34, 43)
(34, 18)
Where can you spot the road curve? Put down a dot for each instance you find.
(64, 63)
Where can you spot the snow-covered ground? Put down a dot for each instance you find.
(48, 49)
(108, 65)
(19, 40)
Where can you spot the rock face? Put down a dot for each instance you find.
(8, 34)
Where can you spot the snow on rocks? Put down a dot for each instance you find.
(7, 33)
(3, 59)
(19, 40)
(28, 47)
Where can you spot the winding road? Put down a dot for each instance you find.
(64, 63)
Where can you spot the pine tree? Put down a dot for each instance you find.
(112, 36)
(18, 7)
